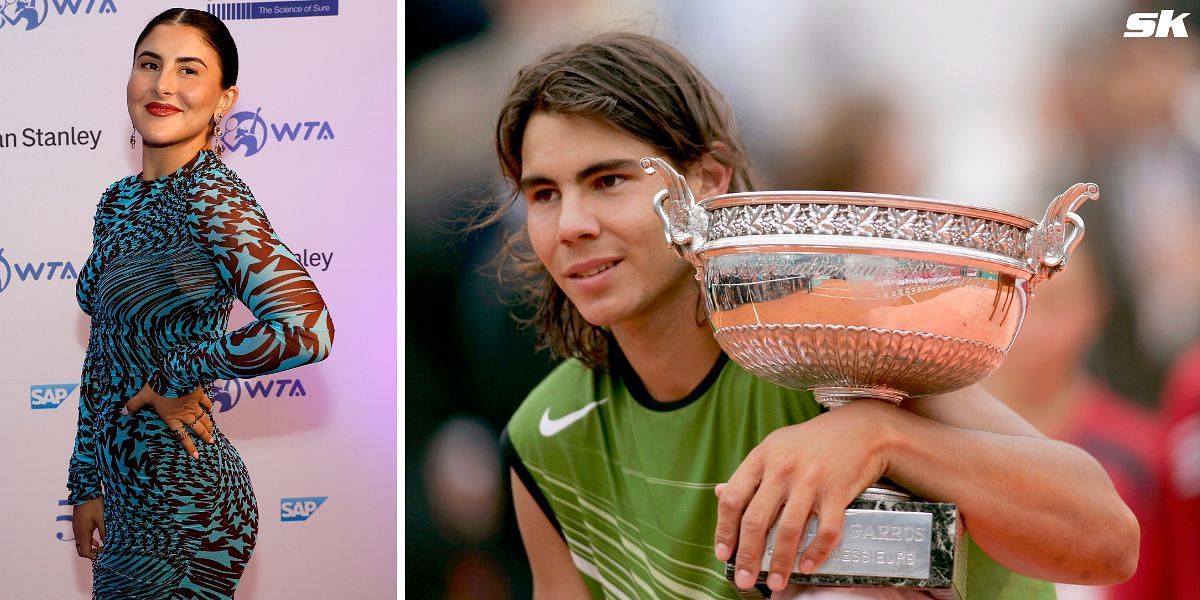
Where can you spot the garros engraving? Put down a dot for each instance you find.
(874, 543)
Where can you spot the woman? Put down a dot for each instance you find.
(646, 459)
(172, 247)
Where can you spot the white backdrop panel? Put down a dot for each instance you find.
(317, 146)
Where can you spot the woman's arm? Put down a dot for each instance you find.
(292, 326)
(554, 573)
(1040, 507)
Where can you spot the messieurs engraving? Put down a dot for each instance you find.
(875, 543)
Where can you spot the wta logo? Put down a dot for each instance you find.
(64, 520)
(5, 272)
(299, 509)
(248, 132)
(24, 15)
(34, 271)
(228, 393)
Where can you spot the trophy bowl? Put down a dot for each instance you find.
(855, 295)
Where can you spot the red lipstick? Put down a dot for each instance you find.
(159, 109)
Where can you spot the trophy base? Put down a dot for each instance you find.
(889, 539)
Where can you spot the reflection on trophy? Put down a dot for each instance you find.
(853, 295)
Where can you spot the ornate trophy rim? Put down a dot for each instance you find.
(842, 220)
(867, 199)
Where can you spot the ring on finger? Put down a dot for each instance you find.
(196, 420)
(180, 433)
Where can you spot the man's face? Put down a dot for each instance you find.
(591, 220)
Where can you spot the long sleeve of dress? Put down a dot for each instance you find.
(83, 478)
(292, 326)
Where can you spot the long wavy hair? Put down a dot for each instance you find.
(641, 86)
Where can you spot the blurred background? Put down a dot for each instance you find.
(1000, 104)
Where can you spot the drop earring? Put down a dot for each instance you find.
(132, 135)
(218, 147)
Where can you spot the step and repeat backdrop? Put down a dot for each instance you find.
(313, 136)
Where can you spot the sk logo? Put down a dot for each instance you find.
(1164, 23)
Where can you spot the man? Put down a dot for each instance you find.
(618, 452)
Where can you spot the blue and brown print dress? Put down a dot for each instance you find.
(169, 256)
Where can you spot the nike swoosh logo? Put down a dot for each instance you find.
(549, 427)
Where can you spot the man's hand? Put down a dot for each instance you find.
(180, 414)
(87, 519)
(816, 467)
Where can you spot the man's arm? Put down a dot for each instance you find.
(1043, 508)
(554, 573)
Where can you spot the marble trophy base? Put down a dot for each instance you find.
(889, 539)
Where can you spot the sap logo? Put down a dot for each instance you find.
(230, 392)
(1163, 23)
(248, 132)
(24, 15)
(47, 270)
(299, 509)
(49, 396)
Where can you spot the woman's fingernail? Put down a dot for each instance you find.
(744, 579)
(722, 551)
(808, 566)
(775, 581)
(196, 455)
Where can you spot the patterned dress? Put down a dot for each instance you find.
(168, 258)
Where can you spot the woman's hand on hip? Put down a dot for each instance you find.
(180, 414)
(86, 520)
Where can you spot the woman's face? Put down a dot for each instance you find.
(174, 90)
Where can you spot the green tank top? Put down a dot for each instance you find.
(628, 481)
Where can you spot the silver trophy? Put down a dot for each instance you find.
(855, 295)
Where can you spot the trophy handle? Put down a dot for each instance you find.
(1051, 242)
(685, 222)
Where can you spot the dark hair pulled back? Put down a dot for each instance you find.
(211, 28)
